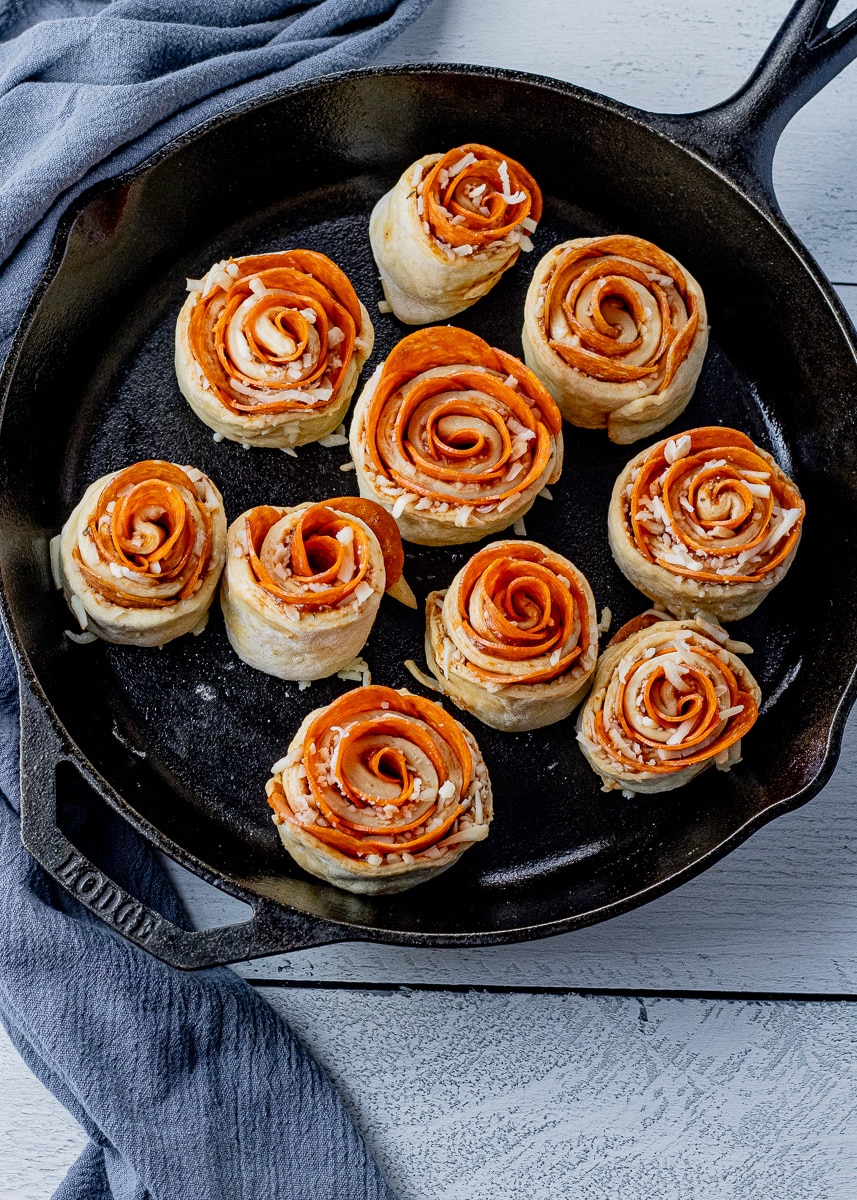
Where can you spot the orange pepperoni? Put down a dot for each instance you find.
(436, 435)
(690, 714)
(315, 555)
(149, 522)
(310, 312)
(529, 603)
(600, 352)
(382, 525)
(470, 208)
(365, 785)
(713, 512)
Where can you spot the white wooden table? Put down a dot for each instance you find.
(700, 1048)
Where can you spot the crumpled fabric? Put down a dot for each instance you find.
(88, 90)
(189, 1086)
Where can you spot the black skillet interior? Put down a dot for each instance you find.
(185, 735)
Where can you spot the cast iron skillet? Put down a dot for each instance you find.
(180, 740)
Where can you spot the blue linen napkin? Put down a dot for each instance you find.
(189, 1086)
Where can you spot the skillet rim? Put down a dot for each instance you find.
(667, 126)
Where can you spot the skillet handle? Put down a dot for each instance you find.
(272, 928)
(740, 135)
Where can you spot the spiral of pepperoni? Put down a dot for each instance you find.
(672, 701)
(455, 421)
(619, 309)
(381, 772)
(708, 504)
(317, 557)
(274, 333)
(522, 615)
(475, 196)
(148, 542)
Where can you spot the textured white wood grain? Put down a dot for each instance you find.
(507, 1097)
(471, 1096)
(38, 1139)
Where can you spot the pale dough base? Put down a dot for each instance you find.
(432, 528)
(312, 646)
(277, 431)
(136, 626)
(421, 283)
(512, 709)
(620, 408)
(356, 875)
(652, 783)
(678, 594)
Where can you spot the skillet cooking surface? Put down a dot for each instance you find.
(186, 734)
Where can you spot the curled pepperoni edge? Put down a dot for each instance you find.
(477, 229)
(566, 283)
(174, 555)
(706, 440)
(345, 709)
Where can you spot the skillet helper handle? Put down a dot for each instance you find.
(272, 929)
(740, 135)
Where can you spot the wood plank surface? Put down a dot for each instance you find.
(509, 1097)
(513, 1097)
(39, 1140)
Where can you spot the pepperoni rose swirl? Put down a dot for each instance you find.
(670, 698)
(451, 226)
(473, 196)
(455, 438)
(380, 790)
(269, 347)
(140, 555)
(705, 520)
(617, 331)
(514, 639)
(302, 585)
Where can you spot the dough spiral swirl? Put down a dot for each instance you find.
(473, 196)
(269, 347)
(514, 639)
(379, 790)
(450, 227)
(669, 699)
(705, 520)
(454, 437)
(617, 330)
(302, 585)
(141, 553)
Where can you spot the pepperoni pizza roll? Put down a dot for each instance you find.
(140, 556)
(514, 639)
(705, 521)
(455, 438)
(302, 585)
(379, 791)
(670, 699)
(269, 347)
(617, 331)
(451, 226)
